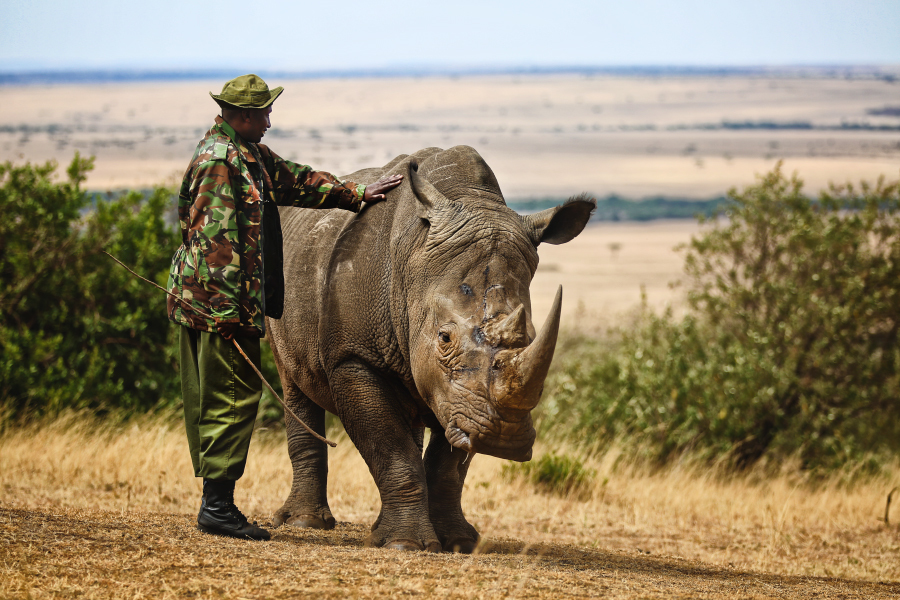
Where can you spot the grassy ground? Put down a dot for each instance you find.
(104, 511)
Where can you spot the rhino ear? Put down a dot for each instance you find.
(428, 198)
(562, 223)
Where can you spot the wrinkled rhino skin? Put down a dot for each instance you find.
(415, 313)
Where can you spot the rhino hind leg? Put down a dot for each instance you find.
(446, 473)
(386, 439)
(307, 503)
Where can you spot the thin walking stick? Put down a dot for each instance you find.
(239, 349)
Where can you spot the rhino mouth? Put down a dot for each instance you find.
(457, 437)
(514, 440)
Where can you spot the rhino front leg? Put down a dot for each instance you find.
(382, 431)
(446, 470)
(307, 503)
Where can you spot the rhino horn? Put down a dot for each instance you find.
(428, 196)
(513, 330)
(533, 362)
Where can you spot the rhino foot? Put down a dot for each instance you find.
(461, 545)
(375, 540)
(454, 531)
(403, 529)
(323, 520)
(433, 546)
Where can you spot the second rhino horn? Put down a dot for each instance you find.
(514, 329)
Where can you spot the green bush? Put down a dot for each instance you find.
(553, 473)
(77, 330)
(790, 346)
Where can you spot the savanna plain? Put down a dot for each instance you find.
(96, 508)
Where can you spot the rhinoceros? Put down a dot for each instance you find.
(415, 313)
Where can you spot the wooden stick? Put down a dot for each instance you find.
(887, 507)
(239, 349)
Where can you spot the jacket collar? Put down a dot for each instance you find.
(223, 127)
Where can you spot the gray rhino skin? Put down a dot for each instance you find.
(415, 313)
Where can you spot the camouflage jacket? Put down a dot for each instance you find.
(219, 267)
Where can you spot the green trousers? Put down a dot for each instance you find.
(221, 396)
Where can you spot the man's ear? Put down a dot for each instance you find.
(560, 224)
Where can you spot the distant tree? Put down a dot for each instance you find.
(76, 330)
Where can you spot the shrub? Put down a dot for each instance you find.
(790, 347)
(77, 330)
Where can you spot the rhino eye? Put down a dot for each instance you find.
(444, 337)
(466, 290)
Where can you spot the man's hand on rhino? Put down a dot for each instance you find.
(375, 191)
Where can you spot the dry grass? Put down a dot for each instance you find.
(99, 510)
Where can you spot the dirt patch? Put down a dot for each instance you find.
(108, 554)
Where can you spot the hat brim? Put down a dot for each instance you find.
(236, 102)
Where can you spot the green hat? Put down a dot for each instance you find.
(247, 91)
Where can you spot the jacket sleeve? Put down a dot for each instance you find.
(298, 185)
(213, 238)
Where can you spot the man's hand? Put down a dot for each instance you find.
(375, 191)
(227, 330)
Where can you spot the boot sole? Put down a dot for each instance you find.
(236, 535)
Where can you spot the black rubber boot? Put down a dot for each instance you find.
(219, 516)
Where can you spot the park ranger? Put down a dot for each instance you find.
(227, 276)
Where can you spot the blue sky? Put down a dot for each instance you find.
(354, 34)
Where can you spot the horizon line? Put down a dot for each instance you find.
(889, 72)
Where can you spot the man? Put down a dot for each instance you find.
(227, 275)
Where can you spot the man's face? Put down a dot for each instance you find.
(256, 124)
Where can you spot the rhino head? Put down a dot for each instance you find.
(476, 357)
